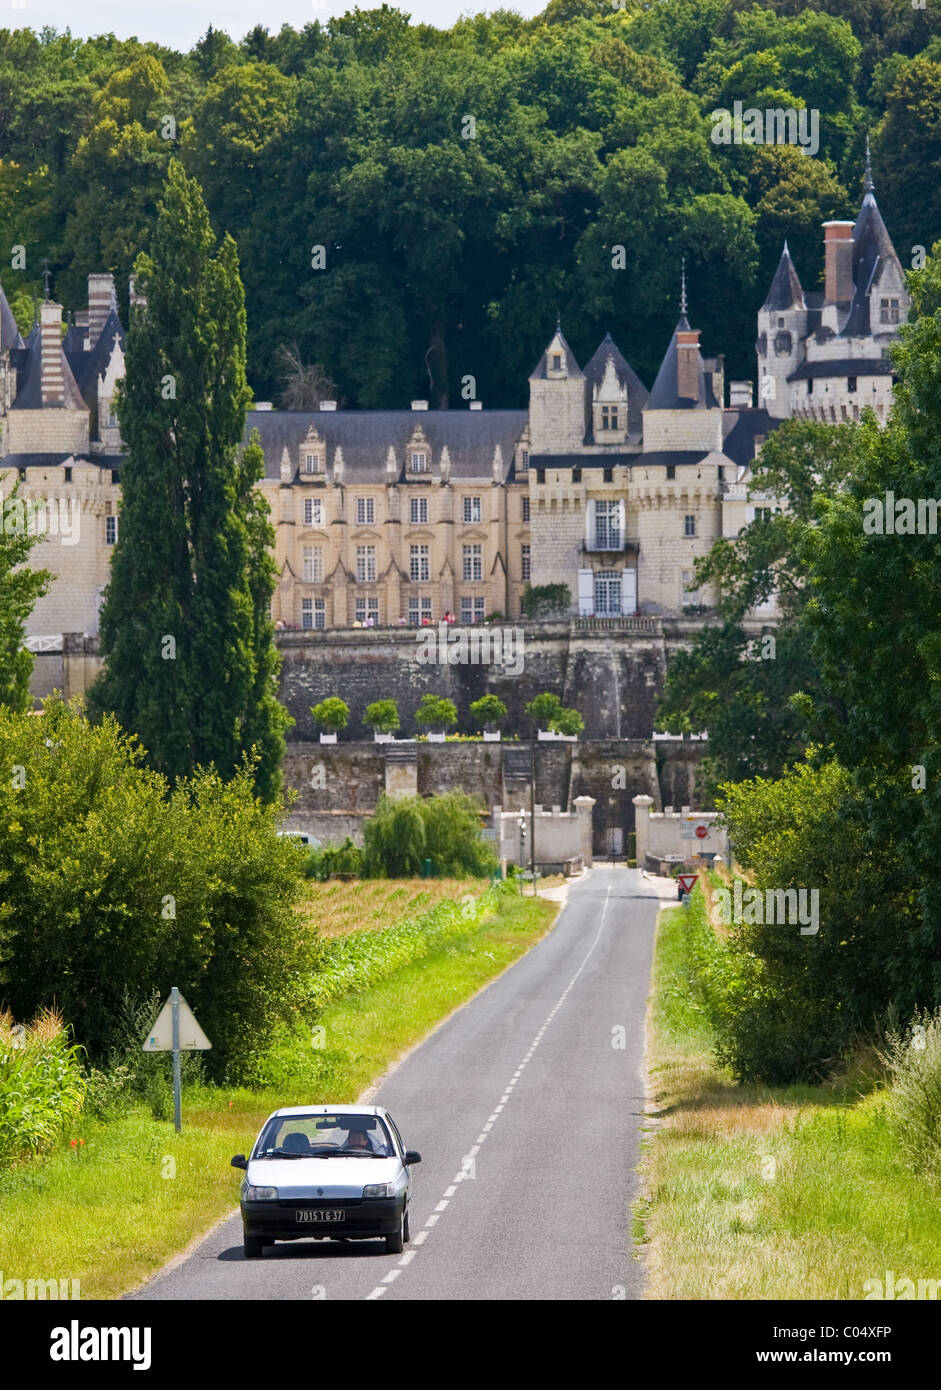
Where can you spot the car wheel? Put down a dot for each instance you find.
(253, 1247)
(405, 1232)
(396, 1242)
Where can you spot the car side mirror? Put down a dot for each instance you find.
(412, 1156)
(239, 1161)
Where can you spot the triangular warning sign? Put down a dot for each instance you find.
(687, 881)
(192, 1037)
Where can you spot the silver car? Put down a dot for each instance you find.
(326, 1172)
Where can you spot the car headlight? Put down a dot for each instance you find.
(379, 1189)
(259, 1194)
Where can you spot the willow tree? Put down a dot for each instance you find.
(191, 666)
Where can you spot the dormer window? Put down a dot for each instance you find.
(557, 362)
(312, 463)
(419, 462)
(609, 417)
(889, 311)
(524, 460)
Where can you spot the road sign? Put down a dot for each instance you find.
(687, 881)
(686, 834)
(684, 899)
(701, 832)
(176, 1030)
(191, 1036)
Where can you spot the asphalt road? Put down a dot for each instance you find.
(526, 1106)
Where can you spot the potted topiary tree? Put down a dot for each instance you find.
(382, 716)
(489, 712)
(568, 724)
(435, 713)
(332, 714)
(542, 709)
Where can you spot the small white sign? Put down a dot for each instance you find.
(192, 1037)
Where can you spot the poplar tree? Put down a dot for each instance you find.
(186, 632)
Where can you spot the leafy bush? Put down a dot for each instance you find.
(42, 1087)
(435, 712)
(542, 709)
(488, 712)
(445, 829)
(332, 714)
(111, 882)
(567, 721)
(382, 716)
(322, 863)
(546, 600)
(914, 1062)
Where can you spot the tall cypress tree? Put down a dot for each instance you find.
(191, 666)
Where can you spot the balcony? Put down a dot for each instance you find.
(612, 544)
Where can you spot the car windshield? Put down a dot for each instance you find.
(323, 1136)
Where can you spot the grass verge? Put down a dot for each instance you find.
(757, 1193)
(113, 1210)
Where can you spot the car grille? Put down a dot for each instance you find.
(318, 1203)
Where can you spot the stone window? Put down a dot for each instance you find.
(313, 463)
(365, 564)
(418, 511)
(419, 610)
(889, 311)
(473, 610)
(473, 562)
(313, 564)
(419, 564)
(527, 567)
(367, 611)
(111, 530)
(689, 525)
(365, 511)
(851, 383)
(608, 535)
(671, 472)
(526, 509)
(557, 362)
(782, 344)
(689, 597)
(472, 511)
(607, 593)
(609, 417)
(313, 614)
(419, 462)
(524, 460)
(313, 511)
(762, 513)
(609, 475)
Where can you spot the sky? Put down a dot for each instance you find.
(179, 23)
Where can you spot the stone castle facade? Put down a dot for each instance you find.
(387, 518)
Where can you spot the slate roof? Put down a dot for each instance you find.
(105, 461)
(843, 366)
(9, 333)
(871, 245)
(739, 428)
(785, 291)
(663, 393)
(636, 390)
(539, 372)
(365, 437)
(29, 390)
(87, 367)
(672, 458)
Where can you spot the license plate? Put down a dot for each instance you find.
(331, 1214)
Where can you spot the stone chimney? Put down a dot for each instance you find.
(100, 300)
(687, 363)
(838, 253)
(52, 382)
(740, 395)
(419, 405)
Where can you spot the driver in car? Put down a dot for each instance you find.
(356, 1139)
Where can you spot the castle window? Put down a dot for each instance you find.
(851, 383)
(525, 501)
(782, 344)
(524, 460)
(671, 472)
(419, 611)
(527, 565)
(473, 610)
(365, 564)
(367, 611)
(418, 511)
(557, 362)
(111, 530)
(576, 475)
(68, 475)
(608, 534)
(810, 385)
(365, 511)
(471, 509)
(311, 463)
(607, 594)
(889, 311)
(115, 475)
(313, 511)
(419, 564)
(780, 323)
(689, 525)
(689, 597)
(762, 513)
(609, 475)
(473, 568)
(609, 417)
(419, 463)
(313, 614)
(313, 564)
(540, 475)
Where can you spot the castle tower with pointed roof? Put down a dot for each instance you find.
(782, 329)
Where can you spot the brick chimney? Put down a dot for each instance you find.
(687, 363)
(52, 382)
(100, 298)
(838, 252)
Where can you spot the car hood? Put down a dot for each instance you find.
(327, 1177)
